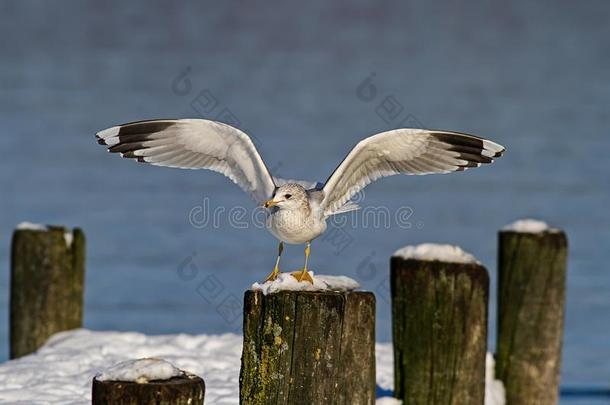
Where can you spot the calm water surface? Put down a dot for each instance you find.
(532, 77)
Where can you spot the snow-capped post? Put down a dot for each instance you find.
(308, 347)
(47, 277)
(532, 267)
(147, 381)
(439, 323)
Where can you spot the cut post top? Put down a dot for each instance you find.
(286, 282)
(307, 293)
(549, 234)
(431, 252)
(474, 270)
(177, 380)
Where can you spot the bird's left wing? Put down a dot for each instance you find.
(407, 151)
(194, 144)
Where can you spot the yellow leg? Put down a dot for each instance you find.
(304, 275)
(276, 270)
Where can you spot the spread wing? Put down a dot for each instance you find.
(406, 151)
(194, 144)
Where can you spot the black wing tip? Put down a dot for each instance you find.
(443, 135)
(476, 150)
(134, 128)
(143, 127)
(501, 151)
(127, 138)
(170, 121)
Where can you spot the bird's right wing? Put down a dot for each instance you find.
(194, 144)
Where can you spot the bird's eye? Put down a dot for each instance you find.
(287, 196)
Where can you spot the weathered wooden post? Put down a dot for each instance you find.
(146, 381)
(439, 324)
(531, 298)
(47, 277)
(308, 348)
(185, 390)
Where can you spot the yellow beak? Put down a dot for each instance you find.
(270, 203)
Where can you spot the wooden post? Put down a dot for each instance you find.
(308, 348)
(185, 390)
(439, 325)
(47, 276)
(531, 298)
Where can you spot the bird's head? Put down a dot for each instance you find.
(288, 196)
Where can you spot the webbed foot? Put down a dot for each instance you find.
(302, 275)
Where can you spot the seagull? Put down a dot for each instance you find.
(297, 210)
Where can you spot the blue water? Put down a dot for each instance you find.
(533, 77)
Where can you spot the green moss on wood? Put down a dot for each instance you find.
(47, 278)
(531, 301)
(308, 347)
(439, 326)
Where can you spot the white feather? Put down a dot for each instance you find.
(407, 151)
(194, 144)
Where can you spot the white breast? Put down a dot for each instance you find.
(296, 226)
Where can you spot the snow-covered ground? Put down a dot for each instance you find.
(62, 370)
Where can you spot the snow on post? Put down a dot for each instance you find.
(47, 277)
(285, 282)
(532, 267)
(439, 321)
(147, 381)
(308, 347)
